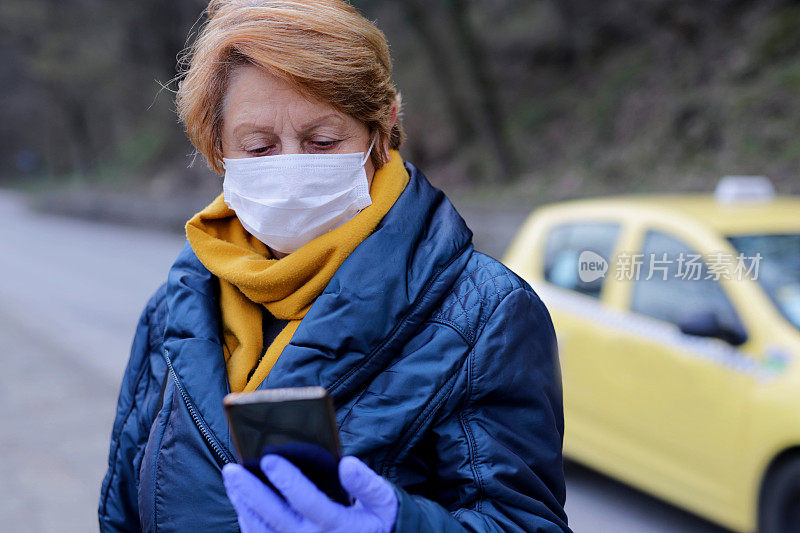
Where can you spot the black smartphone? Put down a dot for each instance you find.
(296, 423)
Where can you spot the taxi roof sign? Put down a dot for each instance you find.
(744, 189)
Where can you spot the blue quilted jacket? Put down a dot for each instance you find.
(442, 364)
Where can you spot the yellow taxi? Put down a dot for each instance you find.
(678, 322)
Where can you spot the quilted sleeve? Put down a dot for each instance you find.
(502, 449)
(118, 507)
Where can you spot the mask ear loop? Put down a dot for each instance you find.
(369, 151)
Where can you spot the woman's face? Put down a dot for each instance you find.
(263, 115)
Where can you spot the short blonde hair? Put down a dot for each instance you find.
(325, 48)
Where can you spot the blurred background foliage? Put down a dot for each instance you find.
(518, 100)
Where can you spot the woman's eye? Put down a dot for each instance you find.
(259, 151)
(323, 144)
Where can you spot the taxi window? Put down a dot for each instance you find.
(680, 283)
(563, 248)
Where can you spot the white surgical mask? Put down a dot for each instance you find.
(288, 200)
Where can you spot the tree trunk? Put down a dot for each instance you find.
(418, 14)
(488, 97)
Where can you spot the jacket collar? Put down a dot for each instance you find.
(374, 302)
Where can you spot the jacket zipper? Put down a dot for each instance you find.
(198, 420)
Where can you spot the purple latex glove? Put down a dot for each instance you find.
(307, 509)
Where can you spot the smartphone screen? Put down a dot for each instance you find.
(298, 424)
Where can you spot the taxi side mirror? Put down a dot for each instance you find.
(705, 323)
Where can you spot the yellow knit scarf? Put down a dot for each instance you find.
(249, 276)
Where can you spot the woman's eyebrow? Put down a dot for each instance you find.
(330, 118)
(251, 126)
(246, 127)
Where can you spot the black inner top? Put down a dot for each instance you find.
(270, 326)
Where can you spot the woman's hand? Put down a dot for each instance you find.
(307, 509)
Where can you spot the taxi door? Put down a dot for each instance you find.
(574, 301)
(681, 398)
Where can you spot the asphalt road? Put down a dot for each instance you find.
(70, 295)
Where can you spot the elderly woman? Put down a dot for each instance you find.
(328, 260)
